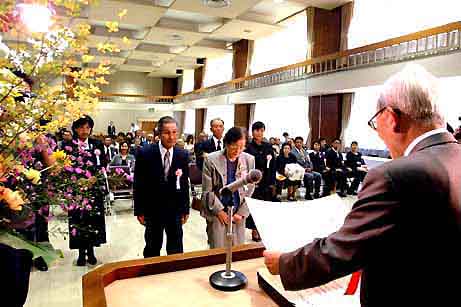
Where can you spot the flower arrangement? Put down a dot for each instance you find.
(46, 82)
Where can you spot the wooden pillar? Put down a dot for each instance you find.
(242, 52)
(199, 121)
(199, 76)
(325, 111)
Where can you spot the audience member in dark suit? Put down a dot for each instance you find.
(265, 162)
(90, 223)
(111, 129)
(310, 176)
(319, 166)
(286, 157)
(324, 147)
(66, 139)
(404, 261)
(215, 143)
(334, 159)
(356, 166)
(109, 150)
(161, 190)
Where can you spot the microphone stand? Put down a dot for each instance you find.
(228, 279)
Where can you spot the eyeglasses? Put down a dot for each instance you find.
(373, 120)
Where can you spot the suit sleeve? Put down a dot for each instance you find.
(210, 201)
(243, 208)
(366, 230)
(138, 185)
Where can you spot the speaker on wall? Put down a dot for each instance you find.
(179, 71)
(201, 61)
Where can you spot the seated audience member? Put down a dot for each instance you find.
(277, 146)
(334, 159)
(124, 158)
(311, 178)
(66, 139)
(135, 147)
(109, 150)
(318, 164)
(356, 166)
(150, 139)
(323, 146)
(286, 157)
(286, 137)
(190, 143)
(180, 144)
(221, 168)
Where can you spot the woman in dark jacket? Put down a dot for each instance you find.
(87, 227)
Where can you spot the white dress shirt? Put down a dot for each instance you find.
(163, 151)
(422, 137)
(215, 140)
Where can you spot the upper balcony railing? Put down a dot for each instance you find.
(134, 98)
(435, 41)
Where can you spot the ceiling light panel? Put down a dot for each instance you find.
(236, 8)
(173, 37)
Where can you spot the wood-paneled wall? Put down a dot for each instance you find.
(199, 121)
(242, 115)
(199, 75)
(170, 86)
(326, 115)
(327, 32)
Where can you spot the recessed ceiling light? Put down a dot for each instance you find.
(247, 31)
(217, 3)
(176, 37)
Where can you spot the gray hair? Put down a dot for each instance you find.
(163, 121)
(216, 119)
(415, 92)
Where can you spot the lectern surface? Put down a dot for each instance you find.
(188, 288)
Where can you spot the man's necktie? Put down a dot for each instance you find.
(219, 145)
(166, 164)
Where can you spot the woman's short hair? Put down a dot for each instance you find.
(82, 121)
(233, 135)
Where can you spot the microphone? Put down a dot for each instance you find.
(254, 176)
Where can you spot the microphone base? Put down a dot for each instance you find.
(234, 282)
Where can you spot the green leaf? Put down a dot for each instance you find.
(42, 249)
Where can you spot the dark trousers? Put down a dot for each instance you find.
(335, 176)
(153, 235)
(312, 180)
(358, 177)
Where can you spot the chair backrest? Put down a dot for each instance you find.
(195, 174)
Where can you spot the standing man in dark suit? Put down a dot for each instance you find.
(334, 160)
(215, 143)
(109, 150)
(111, 129)
(404, 232)
(161, 190)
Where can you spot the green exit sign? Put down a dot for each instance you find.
(151, 110)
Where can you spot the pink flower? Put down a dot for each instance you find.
(73, 178)
(87, 174)
(68, 148)
(119, 171)
(97, 152)
(69, 168)
(89, 163)
(78, 170)
(178, 172)
(73, 232)
(129, 178)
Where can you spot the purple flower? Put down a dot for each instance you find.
(73, 232)
(73, 178)
(69, 168)
(78, 170)
(119, 171)
(88, 207)
(80, 160)
(85, 201)
(89, 163)
(68, 148)
(129, 178)
(88, 174)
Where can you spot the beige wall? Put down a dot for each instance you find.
(123, 114)
(127, 82)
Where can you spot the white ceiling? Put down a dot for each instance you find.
(166, 35)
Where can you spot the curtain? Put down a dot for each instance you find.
(347, 11)
(348, 101)
(375, 21)
(249, 55)
(289, 114)
(189, 122)
(218, 70)
(187, 84)
(312, 119)
(180, 117)
(225, 112)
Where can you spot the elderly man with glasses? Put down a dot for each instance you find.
(404, 232)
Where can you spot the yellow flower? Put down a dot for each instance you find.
(59, 155)
(112, 26)
(101, 80)
(86, 58)
(126, 41)
(33, 175)
(12, 199)
(122, 13)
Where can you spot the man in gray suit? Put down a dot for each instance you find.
(404, 232)
(302, 156)
(219, 169)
